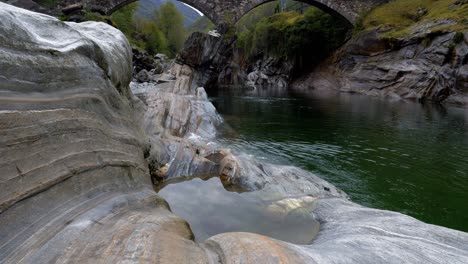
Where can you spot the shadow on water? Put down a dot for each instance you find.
(390, 154)
(210, 210)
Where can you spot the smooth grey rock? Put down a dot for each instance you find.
(160, 56)
(74, 178)
(143, 76)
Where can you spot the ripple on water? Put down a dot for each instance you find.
(399, 156)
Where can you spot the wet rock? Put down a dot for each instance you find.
(282, 208)
(270, 73)
(228, 169)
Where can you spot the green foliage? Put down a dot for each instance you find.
(171, 23)
(124, 19)
(164, 33)
(249, 21)
(203, 24)
(90, 16)
(63, 17)
(399, 17)
(152, 37)
(310, 36)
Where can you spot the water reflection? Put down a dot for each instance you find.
(212, 210)
(396, 155)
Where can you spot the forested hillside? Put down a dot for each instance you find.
(163, 32)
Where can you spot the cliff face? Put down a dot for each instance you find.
(78, 151)
(219, 64)
(424, 67)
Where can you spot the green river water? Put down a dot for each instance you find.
(397, 155)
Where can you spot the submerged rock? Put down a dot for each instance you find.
(285, 207)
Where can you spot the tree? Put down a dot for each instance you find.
(124, 19)
(153, 38)
(142, 33)
(171, 23)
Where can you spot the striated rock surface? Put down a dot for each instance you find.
(74, 179)
(423, 66)
(212, 58)
(79, 149)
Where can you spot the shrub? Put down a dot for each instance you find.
(308, 37)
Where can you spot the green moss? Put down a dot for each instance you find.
(90, 16)
(63, 17)
(304, 37)
(203, 24)
(399, 17)
(359, 25)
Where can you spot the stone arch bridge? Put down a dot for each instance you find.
(228, 11)
(232, 10)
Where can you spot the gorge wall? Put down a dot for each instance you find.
(423, 67)
(80, 146)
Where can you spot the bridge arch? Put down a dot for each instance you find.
(334, 11)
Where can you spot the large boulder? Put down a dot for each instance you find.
(74, 179)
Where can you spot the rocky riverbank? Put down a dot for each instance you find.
(423, 66)
(80, 150)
